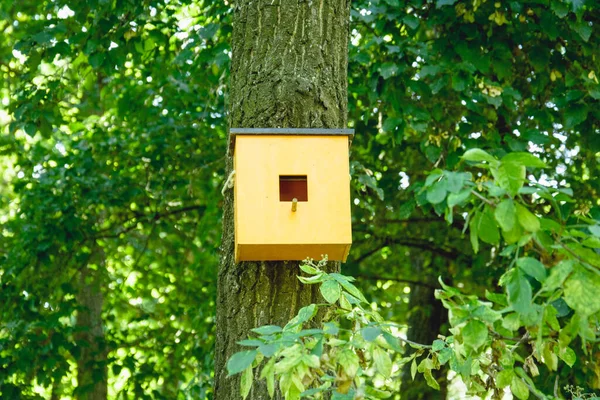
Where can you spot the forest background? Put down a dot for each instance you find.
(113, 135)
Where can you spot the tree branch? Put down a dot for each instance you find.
(402, 280)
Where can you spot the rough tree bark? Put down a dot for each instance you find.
(92, 364)
(289, 70)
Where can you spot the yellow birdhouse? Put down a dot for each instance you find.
(291, 193)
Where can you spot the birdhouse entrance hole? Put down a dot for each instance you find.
(293, 187)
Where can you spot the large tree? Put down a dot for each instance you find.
(112, 141)
(289, 69)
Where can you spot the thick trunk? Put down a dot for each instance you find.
(289, 70)
(91, 364)
(427, 315)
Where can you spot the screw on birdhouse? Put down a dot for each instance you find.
(294, 204)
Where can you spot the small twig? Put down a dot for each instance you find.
(524, 339)
(585, 263)
(532, 390)
(491, 203)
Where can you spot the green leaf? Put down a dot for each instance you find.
(251, 342)
(240, 361)
(268, 374)
(377, 393)
(348, 360)
(550, 358)
(429, 70)
(390, 124)
(331, 291)
(510, 176)
(459, 81)
(506, 214)
(519, 291)
(388, 70)
(413, 368)
(370, 333)
(527, 220)
(96, 59)
(412, 21)
(306, 313)
(371, 182)
(383, 362)
(473, 235)
(583, 29)
(475, 334)
(331, 328)
(592, 242)
(568, 356)
(246, 382)
(576, 4)
(318, 349)
(560, 8)
(434, 176)
(267, 329)
(445, 355)
(511, 322)
(575, 114)
(268, 349)
(458, 198)
(441, 3)
(550, 314)
(479, 155)
(318, 278)
(519, 388)
(455, 181)
(349, 287)
(526, 159)
(558, 274)
(42, 37)
(30, 129)
(594, 230)
(504, 378)
(437, 192)
(309, 269)
(533, 268)
(498, 298)
(438, 345)
(393, 342)
(311, 361)
(582, 291)
(487, 228)
(430, 379)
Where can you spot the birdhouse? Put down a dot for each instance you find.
(291, 193)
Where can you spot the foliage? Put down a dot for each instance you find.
(102, 145)
(547, 305)
(342, 356)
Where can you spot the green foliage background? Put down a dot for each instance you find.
(113, 135)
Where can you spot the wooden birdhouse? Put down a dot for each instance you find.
(291, 193)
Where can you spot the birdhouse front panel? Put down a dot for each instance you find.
(292, 197)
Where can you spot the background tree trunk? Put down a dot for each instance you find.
(427, 316)
(91, 364)
(289, 70)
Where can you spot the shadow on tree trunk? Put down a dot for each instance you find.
(92, 362)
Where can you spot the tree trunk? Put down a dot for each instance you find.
(427, 315)
(92, 362)
(289, 70)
